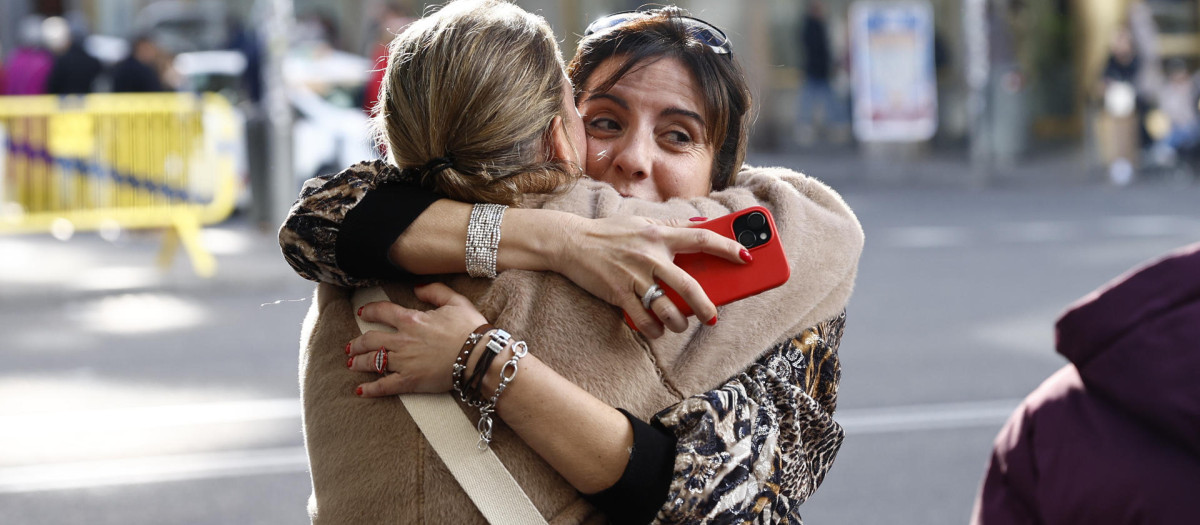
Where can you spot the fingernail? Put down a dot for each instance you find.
(350, 362)
(745, 255)
(347, 348)
(358, 391)
(698, 219)
(360, 310)
(711, 322)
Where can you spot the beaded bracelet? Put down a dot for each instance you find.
(460, 363)
(507, 374)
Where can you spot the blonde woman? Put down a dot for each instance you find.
(560, 435)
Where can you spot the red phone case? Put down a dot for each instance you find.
(724, 281)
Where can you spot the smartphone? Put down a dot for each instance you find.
(725, 282)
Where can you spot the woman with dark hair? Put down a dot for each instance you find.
(741, 409)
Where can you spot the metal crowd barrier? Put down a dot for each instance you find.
(131, 161)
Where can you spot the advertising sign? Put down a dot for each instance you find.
(895, 84)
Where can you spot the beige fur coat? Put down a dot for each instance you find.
(368, 460)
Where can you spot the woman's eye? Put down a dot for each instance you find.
(678, 137)
(604, 124)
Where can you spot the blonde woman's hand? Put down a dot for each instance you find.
(618, 258)
(420, 354)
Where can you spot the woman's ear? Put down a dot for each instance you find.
(561, 147)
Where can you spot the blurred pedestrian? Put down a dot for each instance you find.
(1119, 127)
(244, 39)
(816, 91)
(30, 63)
(1123, 64)
(1177, 101)
(393, 20)
(74, 71)
(1113, 437)
(138, 72)
(1143, 31)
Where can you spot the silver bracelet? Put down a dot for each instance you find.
(469, 392)
(520, 349)
(483, 239)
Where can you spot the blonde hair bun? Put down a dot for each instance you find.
(476, 84)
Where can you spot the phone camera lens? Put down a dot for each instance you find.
(756, 220)
(747, 238)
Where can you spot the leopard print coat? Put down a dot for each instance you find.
(749, 451)
(756, 448)
(309, 234)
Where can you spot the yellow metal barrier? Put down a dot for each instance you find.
(119, 160)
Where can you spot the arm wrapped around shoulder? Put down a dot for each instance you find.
(350, 218)
(823, 241)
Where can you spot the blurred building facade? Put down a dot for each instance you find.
(1060, 47)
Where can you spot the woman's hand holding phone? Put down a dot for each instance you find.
(618, 258)
(722, 282)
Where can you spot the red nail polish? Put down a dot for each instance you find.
(358, 391)
(745, 255)
(350, 362)
(347, 348)
(360, 310)
(711, 322)
(698, 219)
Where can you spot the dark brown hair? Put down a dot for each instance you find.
(662, 33)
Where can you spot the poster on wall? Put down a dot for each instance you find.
(893, 73)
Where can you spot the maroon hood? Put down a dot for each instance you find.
(1136, 343)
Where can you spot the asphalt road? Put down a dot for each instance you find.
(130, 396)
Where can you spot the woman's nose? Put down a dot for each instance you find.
(633, 158)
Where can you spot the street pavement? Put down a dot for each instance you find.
(134, 395)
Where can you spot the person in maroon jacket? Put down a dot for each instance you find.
(1113, 437)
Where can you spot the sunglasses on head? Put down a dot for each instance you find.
(703, 31)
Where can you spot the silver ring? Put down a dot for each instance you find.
(653, 293)
(381, 361)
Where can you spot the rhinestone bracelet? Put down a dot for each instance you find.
(483, 239)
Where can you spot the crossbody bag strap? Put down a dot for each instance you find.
(479, 472)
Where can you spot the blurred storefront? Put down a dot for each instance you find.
(1059, 48)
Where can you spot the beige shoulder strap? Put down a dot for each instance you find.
(453, 436)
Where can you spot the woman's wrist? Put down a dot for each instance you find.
(491, 377)
(464, 372)
(479, 349)
(502, 370)
(535, 239)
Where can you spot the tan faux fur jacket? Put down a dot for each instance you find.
(369, 462)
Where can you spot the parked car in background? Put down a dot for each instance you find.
(185, 26)
(330, 131)
(324, 85)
